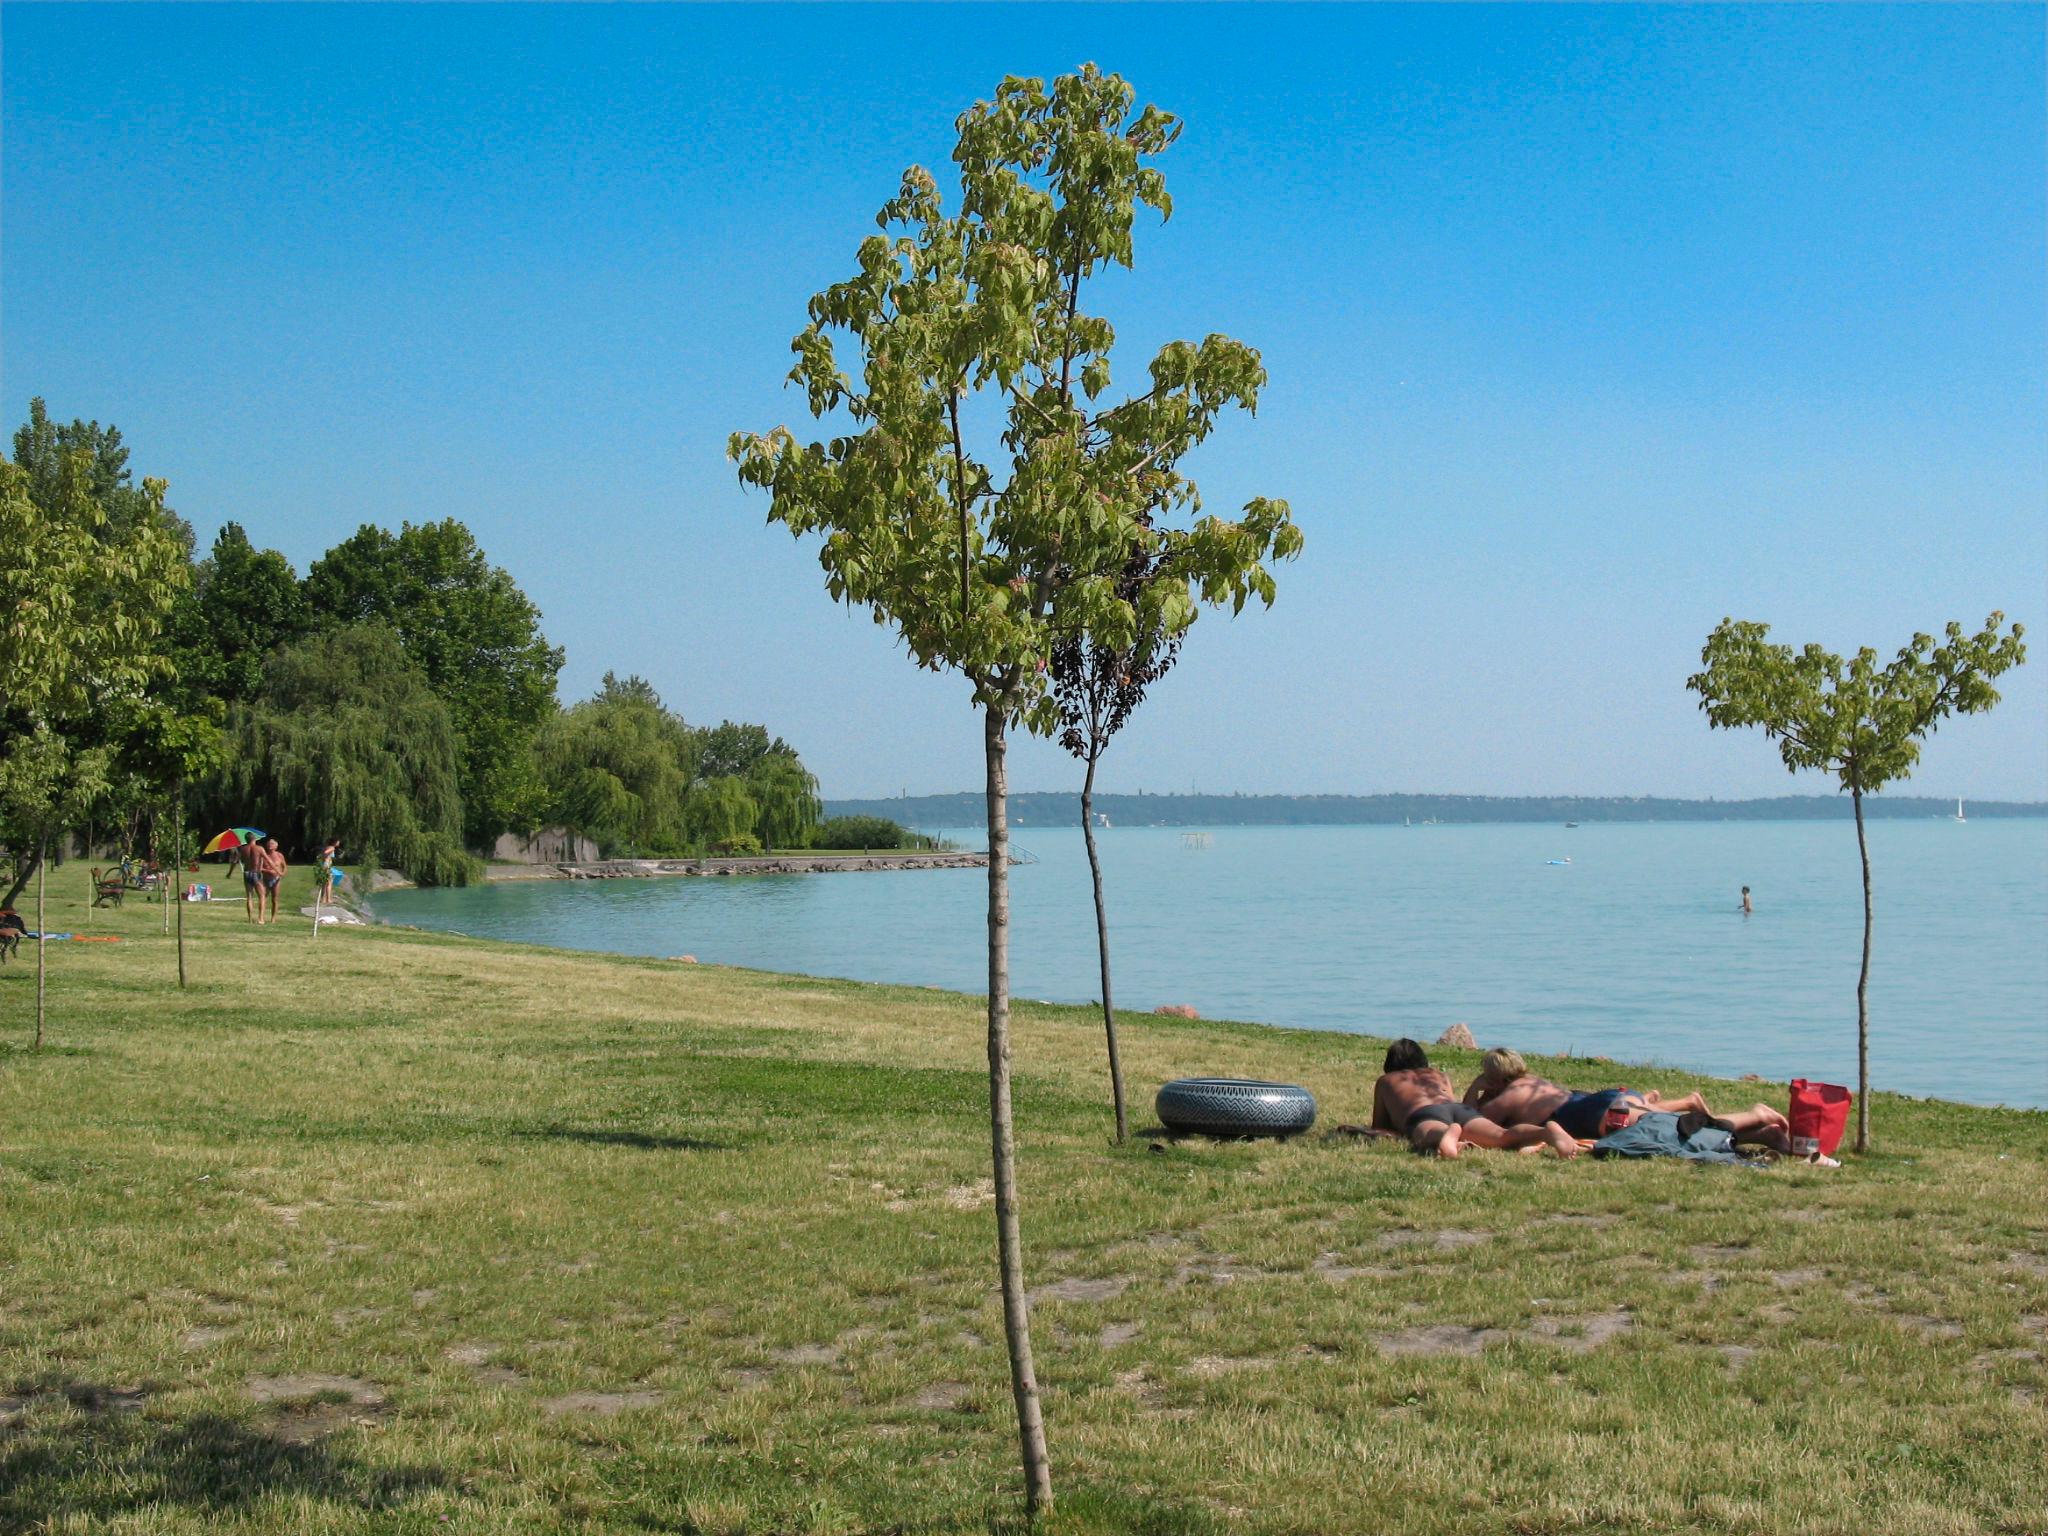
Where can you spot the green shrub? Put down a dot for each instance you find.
(862, 832)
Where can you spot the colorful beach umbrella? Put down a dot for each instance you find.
(234, 837)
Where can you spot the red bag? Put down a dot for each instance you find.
(1820, 1113)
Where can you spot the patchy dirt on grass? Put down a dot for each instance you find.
(1793, 1279)
(807, 1354)
(1209, 1367)
(310, 1407)
(1437, 1339)
(1449, 1239)
(945, 1397)
(1929, 1327)
(1582, 1334)
(601, 1405)
(203, 1337)
(1331, 1267)
(1106, 1289)
(292, 1389)
(1118, 1333)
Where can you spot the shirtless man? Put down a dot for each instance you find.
(1415, 1100)
(270, 863)
(251, 859)
(1508, 1093)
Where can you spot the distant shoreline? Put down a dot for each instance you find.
(1052, 808)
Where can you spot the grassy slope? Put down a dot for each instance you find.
(472, 1180)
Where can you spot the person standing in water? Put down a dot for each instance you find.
(1747, 909)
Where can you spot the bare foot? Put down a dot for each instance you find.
(1452, 1143)
(1561, 1140)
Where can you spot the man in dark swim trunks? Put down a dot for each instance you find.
(252, 880)
(1415, 1100)
(271, 868)
(1508, 1093)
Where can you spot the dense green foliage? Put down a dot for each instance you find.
(243, 603)
(89, 569)
(476, 636)
(127, 663)
(863, 832)
(345, 739)
(618, 768)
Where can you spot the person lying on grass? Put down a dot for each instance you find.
(1507, 1093)
(1415, 1100)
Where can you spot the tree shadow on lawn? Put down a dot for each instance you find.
(645, 1141)
(111, 1460)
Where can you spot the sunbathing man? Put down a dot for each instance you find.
(1508, 1093)
(1415, 1100)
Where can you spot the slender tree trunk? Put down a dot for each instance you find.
(42, 933)
(1863, 993)
(22, 876)
(1009, 1244)
(178, 876)
(1116, 1066)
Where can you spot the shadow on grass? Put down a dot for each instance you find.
(106, 1460)
(645, 1141)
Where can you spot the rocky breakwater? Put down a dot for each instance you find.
(770, 864)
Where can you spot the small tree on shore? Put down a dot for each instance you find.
(1096, 687)
(972, 317)
(1855, 719)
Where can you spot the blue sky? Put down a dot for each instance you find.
(1585, 328)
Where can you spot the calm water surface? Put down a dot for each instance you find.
(1635, 950)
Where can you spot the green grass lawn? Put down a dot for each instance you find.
(397, 1232)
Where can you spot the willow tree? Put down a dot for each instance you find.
(1858, 720)
(977, 497)
(618, 768)
(347, 740)
(1096, 686)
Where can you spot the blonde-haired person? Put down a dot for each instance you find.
(1508, 1093)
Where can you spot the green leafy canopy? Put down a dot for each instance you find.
(1851, 717)
(977, 313)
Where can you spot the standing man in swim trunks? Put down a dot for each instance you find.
(273, 867)
(250, 857)
(1415, 1100)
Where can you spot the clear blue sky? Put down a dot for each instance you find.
(1585, 327)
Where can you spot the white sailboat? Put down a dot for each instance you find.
(1959, 809)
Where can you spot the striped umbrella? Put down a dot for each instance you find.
(234, 837)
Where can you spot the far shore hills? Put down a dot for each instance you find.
(1039, 808)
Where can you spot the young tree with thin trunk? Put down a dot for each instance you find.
(1855, 719)
(974, 350)
(1096, 687)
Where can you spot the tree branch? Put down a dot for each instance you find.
(960, 500)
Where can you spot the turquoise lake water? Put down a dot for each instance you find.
(1635, 950)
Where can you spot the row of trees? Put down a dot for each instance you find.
(401, 695)
(1056, 561)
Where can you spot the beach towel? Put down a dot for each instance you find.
(1658, 1134)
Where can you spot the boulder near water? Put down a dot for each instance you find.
(1177, 1011)
(1459, 1035)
